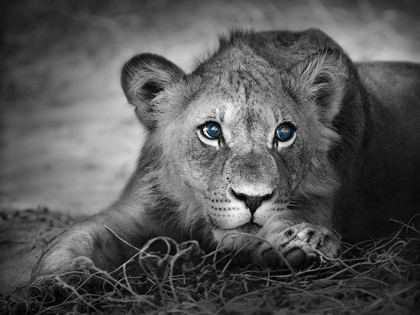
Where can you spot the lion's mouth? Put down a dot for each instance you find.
(250, 228)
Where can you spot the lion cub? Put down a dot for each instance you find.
(277, 142)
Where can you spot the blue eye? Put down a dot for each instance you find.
(212, 130)
(285, 132)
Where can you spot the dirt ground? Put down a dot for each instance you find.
(23, 234)
(69, 140)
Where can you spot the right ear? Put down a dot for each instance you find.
(143, 77)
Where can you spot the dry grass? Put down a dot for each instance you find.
(378, 276)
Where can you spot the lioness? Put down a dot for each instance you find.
(278, 135)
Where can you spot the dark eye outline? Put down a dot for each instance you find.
(292, 129)
(205, 133)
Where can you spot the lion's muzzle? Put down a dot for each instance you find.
(234, 208)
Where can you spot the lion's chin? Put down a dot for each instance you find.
(234, 238)
(250, 228)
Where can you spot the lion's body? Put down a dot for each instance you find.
(215, 160)
(388, 182)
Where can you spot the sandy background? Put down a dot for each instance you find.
(68, 138)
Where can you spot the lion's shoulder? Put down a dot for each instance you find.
(394, 84)
(390, 73)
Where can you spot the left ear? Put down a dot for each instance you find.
(324, 78)
(143, 77)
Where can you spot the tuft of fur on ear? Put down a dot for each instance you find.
(143, 77)
(323, 79)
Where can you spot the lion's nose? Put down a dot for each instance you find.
(253, 202)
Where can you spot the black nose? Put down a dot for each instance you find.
(252, 202)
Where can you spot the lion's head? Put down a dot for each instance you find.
(248, 134)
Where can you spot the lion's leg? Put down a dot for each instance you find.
(96, 240)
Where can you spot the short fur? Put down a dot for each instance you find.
(353, 164)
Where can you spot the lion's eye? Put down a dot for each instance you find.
(285, 132)
(211, 130)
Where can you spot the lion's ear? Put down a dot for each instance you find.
(323, 79)
(143, 77)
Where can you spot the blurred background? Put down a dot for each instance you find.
(68, 138)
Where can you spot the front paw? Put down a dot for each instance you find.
(298, 245)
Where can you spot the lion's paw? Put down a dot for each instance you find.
(82, 263)
(298, 244)
(53, 289)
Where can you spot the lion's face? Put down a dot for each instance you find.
(243, 157)
(242, 149)
(240, 140)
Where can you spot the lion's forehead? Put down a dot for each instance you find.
(239, 68)
(241, 77)
(243, 82)
(241, 96)
(239, 86)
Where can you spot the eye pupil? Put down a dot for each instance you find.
(284, 132)
(212, 130)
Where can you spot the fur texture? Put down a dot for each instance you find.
(350, 164)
